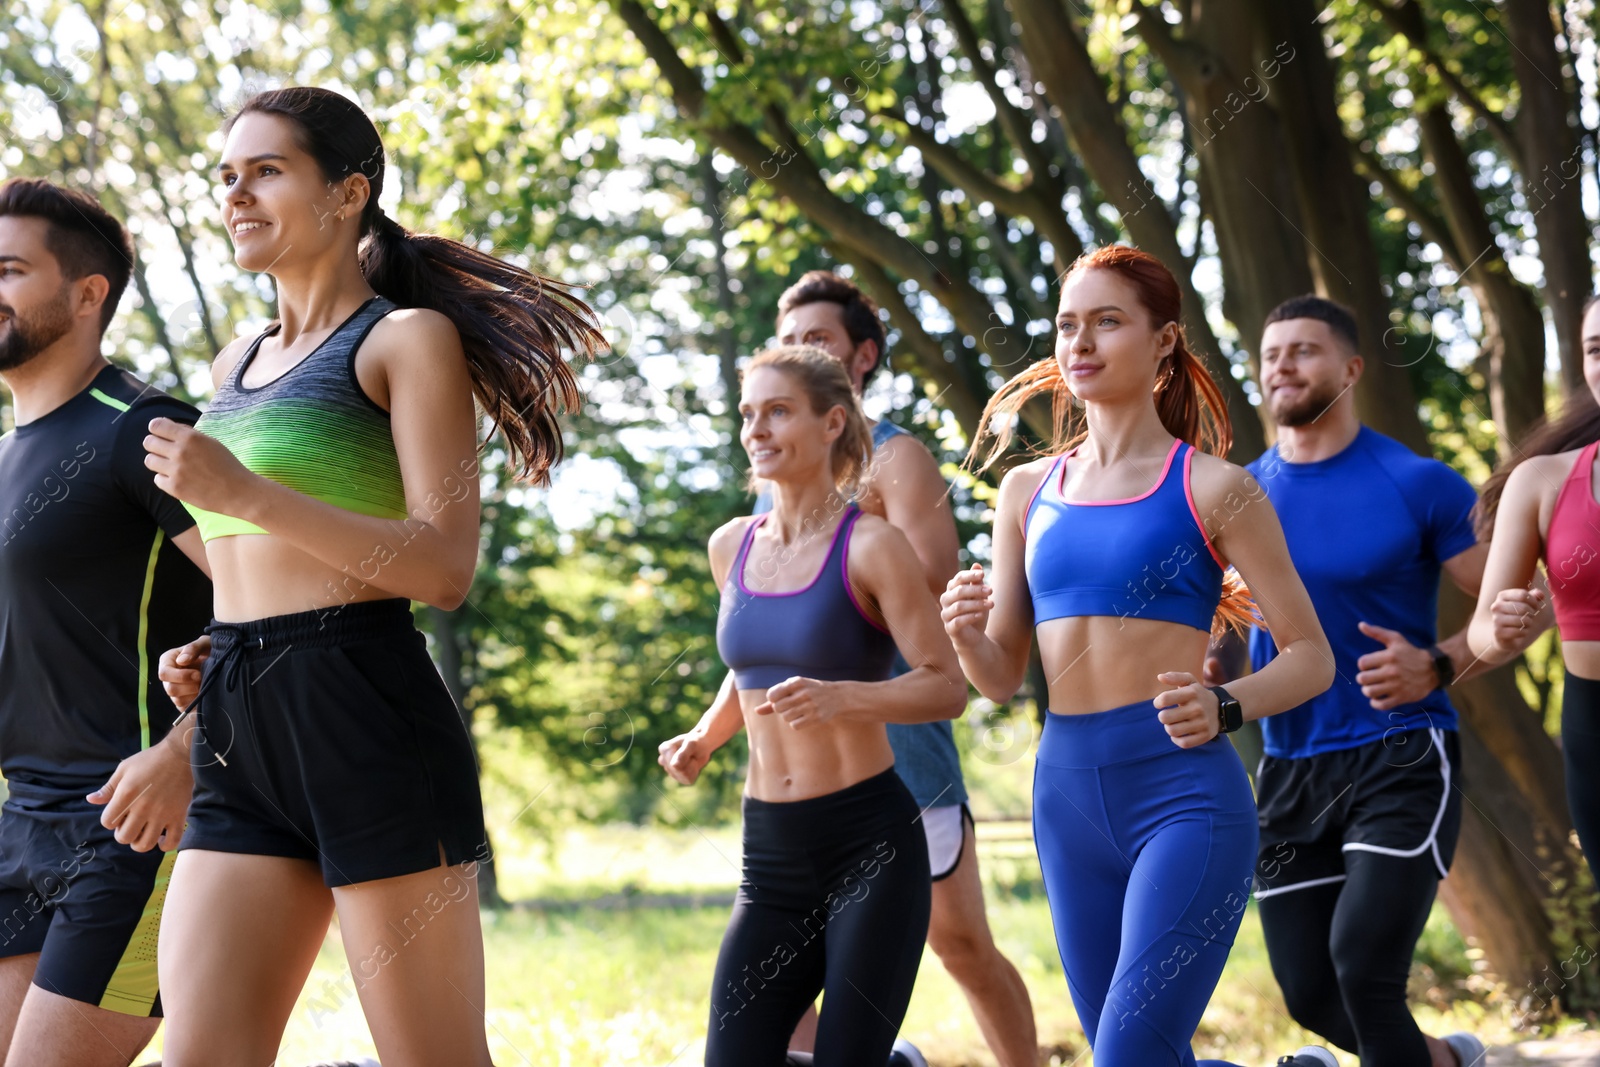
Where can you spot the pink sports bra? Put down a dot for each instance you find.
(1572, 553)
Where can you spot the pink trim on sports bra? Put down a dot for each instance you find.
(1061, 490)
(844, 576)
(744, 556)
(1188, 494)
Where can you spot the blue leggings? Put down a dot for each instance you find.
(1147, 851)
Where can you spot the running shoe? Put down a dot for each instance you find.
(1468, 1049)
(1309, 1056)
(905, 1054)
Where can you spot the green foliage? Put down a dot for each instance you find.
(1573, 984)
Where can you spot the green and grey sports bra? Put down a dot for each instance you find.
(312, 429)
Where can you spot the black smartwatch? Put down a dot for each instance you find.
(1443, 666)
(1228, 710)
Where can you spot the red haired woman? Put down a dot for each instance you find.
(1112, 550)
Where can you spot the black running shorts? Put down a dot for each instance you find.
(89, 906)
(1395, 797)
(329, 736)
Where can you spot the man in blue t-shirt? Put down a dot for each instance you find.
(1357, 792)
(905, 487)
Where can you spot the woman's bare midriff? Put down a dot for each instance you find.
(258, 576)
(788, 764)
(1096, 663)
(1582, 658)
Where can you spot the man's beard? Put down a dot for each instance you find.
(1309, 408)
(22, 339)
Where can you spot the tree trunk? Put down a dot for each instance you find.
(957, 384)
(158, 323)
(1544, 147)
(1513, 328)
(1239, 140)
(1060, 60)
(1407, 18)
(452, 668)
(1489, 893)
(167, 121)
(1514, 826)
(1551, 182)
(1045, 183)
(1334, 206)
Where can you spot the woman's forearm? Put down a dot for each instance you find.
(991, 671)
(1486, 654)
(1301, 670)
(1467, 663)
(924, 694)
(723, 719)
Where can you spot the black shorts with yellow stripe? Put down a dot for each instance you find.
(89, 906)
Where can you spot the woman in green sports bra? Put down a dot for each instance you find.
(334, 480)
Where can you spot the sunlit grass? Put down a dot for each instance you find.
(627, 984)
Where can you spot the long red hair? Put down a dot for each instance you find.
(1188, 401)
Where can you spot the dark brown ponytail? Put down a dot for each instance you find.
(515, 325)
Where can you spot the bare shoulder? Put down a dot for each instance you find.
(412, 335)
(1541, 477)
(1220, 492)
(1530, 493)
(879, 556)
(724, 544)
(418, 350)
(903, 452)
(1022, 481)
(875, 537)
(904, 483)
(1212, 479)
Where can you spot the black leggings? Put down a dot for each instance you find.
(1342, 954)
(835, 899)
(1580, 749)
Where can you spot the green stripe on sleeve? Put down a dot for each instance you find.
(109, 401)
(144, 636)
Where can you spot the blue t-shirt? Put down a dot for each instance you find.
(1368, 530)
(925, 753)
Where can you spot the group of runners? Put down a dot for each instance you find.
(254, 567)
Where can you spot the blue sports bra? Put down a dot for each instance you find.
(817, 632)
(1146, 557)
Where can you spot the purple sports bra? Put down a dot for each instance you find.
(817, 632)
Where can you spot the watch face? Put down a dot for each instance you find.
(1232, 715)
